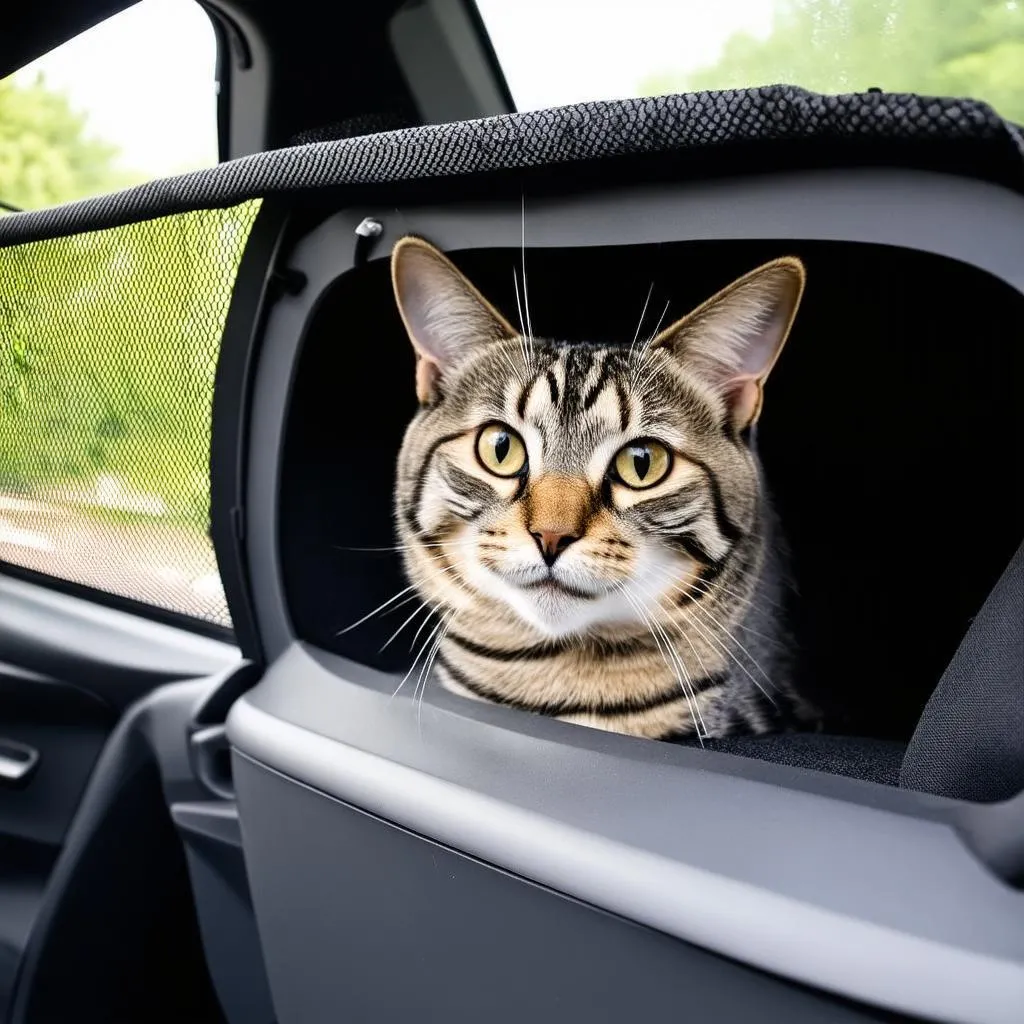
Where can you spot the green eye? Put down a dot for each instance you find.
(642, 464)
(501, 450)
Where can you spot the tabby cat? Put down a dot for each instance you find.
(588, 521)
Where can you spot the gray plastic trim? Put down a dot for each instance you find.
(214, 819)
(438, 48)
(917, 925)
(248, 83)
(362, 920)
(971, 221)
(112, 654)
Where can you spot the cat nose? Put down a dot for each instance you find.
(552, 543)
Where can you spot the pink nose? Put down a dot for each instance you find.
(552, 542)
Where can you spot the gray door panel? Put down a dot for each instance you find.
(374, 922)
(788, 880)
(69, 669)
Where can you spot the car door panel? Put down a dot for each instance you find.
(73, 673)
(409, 924)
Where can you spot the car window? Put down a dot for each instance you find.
(109, 339)
(132, 99)
(552, 53)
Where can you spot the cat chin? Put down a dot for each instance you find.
(553, 613)
(558, 614)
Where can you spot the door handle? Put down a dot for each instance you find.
(18, 763)
(211, 760)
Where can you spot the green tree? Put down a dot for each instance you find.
(46, 153)
(108, 348)
(969, 48)
(109, 339)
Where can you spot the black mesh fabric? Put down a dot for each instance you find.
(778, 126)
(872, 760)
(970, 741)
(108, 348)
(353, 127)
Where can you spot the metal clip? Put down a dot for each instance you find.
(367, 230)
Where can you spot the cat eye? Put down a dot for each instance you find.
(501, 450)
(642, 464)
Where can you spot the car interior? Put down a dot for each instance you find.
(262, 824)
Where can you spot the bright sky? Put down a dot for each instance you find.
(146, 76)
(566, 51)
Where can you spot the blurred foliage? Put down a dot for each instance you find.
(108, 349)
(46, 154)
(108, 340)
(972, 48)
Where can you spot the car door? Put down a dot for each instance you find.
(113, 619)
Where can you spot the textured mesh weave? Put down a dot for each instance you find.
(779, 125)
(108, 348)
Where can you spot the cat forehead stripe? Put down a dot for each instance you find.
(583, 389)
(657, 611)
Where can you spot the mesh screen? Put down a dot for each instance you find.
(108, 349)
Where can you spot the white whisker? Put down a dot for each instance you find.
(390, 603)
(712, 619)
(707, 633)
(426, 643)
(387, 643)
(379, 608)
(422, 625)
(682, 634)
(526, 294)
(408, 547)
(643, 313)
(706, 612)
(745, 597)
(428, 666)
(527, 362)
(666, 657)
(645, 349)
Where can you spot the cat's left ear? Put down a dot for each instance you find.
(733, 340)
(446, 317)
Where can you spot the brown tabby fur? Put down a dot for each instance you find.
(562, 590)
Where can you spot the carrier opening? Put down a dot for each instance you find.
(889, 439)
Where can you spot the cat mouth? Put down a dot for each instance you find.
(549, 585)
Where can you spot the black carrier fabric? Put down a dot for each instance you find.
(664, 138)
(970, 741)
(768, 128)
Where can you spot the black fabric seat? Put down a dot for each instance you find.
(969, 744)
(873, 760)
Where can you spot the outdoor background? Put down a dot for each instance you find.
(105, 399)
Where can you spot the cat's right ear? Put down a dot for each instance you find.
(446, 317)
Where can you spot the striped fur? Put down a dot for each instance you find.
(561, 589)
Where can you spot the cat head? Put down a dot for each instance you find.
(565, 486)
